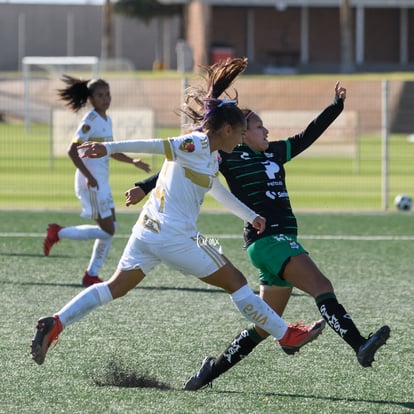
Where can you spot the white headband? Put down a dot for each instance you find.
(226, 101)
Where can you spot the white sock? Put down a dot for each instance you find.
(86, 301)
(256, 310)
(83, 232)
(99, 253)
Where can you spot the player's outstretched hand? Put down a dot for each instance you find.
(92, 150)
(259, 223)
(134, 195)
(340, 91)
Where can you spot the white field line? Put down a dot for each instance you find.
(239, 236)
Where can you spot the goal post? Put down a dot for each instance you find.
(49, 62)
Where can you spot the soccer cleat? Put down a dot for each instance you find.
(47, 331)
(203, 377)
(366, 352)
(51, 238)
(89, 280)
(299, 335)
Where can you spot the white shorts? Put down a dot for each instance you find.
(197, 256)
(95, 203)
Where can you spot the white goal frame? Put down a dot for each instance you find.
(51, 61)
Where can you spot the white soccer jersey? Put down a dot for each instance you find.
(190, 170)
(186, 176)
(95, 128)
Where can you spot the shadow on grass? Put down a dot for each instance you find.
(405, 404)
(60, 256)
(14, 282)
(155, 288)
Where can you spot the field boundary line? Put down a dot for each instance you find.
(239, 236)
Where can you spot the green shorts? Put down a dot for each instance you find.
(270, 255)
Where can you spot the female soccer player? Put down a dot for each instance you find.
(281, 260)
(166, 230)
(92, 175)
(283, 263)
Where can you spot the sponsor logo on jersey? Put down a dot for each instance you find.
(187, 145)
(86, 128)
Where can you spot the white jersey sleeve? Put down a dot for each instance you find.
(147, 146)
(231, 202)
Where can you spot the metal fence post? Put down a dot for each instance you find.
(385, 142)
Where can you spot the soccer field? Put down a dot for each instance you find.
(163, 328)
(31, 180)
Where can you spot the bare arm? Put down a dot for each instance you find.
(74, 156)
(119, 156)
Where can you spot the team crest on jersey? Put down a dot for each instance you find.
(187, 145)
(85, 128)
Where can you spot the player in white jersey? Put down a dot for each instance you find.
(92, 175)
(166, 230)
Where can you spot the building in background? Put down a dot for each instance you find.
(307, 35)
(276, 35)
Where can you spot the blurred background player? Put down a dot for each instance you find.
(92, 175)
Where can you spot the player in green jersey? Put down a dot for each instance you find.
(255, 173)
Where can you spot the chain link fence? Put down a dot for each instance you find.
(361, 163)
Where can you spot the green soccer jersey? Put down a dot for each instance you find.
(258, 178)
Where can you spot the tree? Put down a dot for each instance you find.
(345, 12)
(147, 10)
(107, 50)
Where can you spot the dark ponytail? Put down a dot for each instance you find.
(204, 108)
(78, 91)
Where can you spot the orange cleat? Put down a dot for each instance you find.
(299, 335)
(51, 238)
(48, 330)
(89, 280)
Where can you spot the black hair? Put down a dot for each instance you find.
(77, 91)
